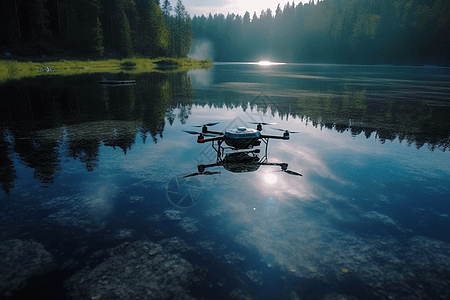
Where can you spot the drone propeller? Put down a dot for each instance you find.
(195, 132)
(262, 123)
(292, 173)
(280, 129)
(284, 169)
(191, 132)
(207, 124)
(202, 173)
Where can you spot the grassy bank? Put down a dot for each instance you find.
(10, 69)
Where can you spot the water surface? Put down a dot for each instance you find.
(90, 174)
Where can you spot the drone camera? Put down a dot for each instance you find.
(256, 143)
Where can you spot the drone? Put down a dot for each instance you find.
(239, 154)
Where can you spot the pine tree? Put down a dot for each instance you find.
(39, 20)
(123, 34)
(166, 8)
(84, 29)
(159, 34)
(183, 31)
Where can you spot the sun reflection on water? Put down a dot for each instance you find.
(268, 63)
(270, 178)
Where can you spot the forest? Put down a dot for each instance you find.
(325, 31)
(95, 28)
(333, 31)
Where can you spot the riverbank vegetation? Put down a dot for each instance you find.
(10, 69)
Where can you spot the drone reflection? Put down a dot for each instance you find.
(241, 162)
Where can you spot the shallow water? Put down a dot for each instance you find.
(90, 174)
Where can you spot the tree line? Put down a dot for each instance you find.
(334, 31)
(95, 27)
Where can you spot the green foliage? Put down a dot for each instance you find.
(182, 35)
(441, 11)
(123, 28)
(123, 44)
(367, 24)
(167, 62)
(10, 69)
(128, 64)
(84, 33)
(335, 31)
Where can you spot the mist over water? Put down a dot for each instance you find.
(202, 49)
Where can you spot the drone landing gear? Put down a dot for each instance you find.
(222, 151)
(265, 141)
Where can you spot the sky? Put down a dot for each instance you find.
(204, 7)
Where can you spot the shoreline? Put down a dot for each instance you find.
(12, 69)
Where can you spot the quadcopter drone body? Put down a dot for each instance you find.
(240, 155)
(238, 138)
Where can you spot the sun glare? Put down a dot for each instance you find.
(268, 63)
(270, 178)
(264, 63)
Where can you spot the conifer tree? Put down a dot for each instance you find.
(166, 8)
(84, 29)
(183, 35)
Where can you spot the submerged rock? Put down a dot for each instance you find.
(124, 233)
(188, 224)
(380, 217)
(139, 270)
(237, 294)
(173, 214)
(21, 260)
(255, 276)
(385, 267)
(334, 296)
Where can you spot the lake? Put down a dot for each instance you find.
(103, 197)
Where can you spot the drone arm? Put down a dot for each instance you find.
(283, 167)
(272, 164)
(201, 168)
(217, 138)
(275, 137)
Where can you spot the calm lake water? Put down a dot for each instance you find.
(95, 203)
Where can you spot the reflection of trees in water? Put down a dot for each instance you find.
(48, 115)
(415, 122)
(40, 155)
(86, 151)
(32, 105)
(7, 171)
(182, 94)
